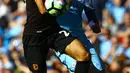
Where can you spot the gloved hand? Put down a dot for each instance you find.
(95, 28)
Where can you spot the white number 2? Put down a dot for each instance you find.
(65, 33)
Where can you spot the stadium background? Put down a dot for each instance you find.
(112, 44)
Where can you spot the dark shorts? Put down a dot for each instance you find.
(36, 48)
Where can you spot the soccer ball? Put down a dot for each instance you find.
(56, 7)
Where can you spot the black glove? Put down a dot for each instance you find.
(95, 28)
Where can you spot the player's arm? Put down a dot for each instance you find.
(89, 16)
(40, 6)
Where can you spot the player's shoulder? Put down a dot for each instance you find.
(77, 2)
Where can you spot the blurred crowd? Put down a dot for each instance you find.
(112, 44)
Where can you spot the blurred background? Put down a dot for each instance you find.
(112, 44)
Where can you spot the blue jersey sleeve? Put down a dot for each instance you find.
(87, 3)
(84, 17)
(89, 16)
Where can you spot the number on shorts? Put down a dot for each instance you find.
(65, 33)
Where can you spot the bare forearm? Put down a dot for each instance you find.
(40, 6)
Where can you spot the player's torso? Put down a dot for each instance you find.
(36, 22)
(72, 18)
(72, 21)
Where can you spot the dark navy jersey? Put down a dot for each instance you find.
(79, 11)
(72, 18)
